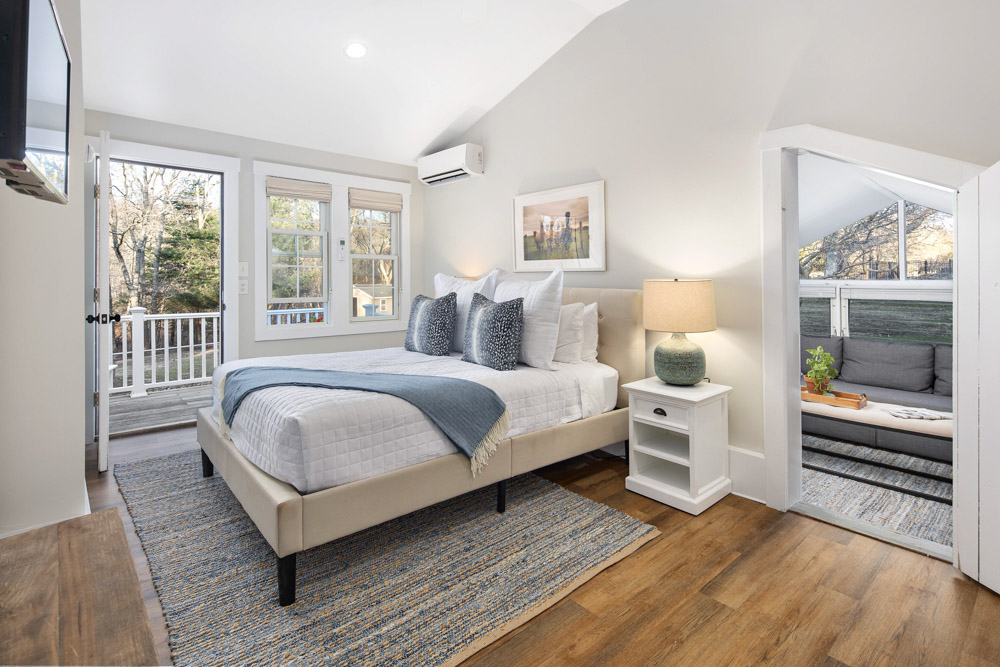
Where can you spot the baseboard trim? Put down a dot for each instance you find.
(746, 469)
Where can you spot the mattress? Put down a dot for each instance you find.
(314, 438)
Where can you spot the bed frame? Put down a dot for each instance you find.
(292, 522)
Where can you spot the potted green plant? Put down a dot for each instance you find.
(821, 371)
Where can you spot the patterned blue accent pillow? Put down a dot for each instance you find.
(432, 325)
(493, 332)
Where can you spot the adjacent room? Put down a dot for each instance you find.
(577, 332)
(876, 266)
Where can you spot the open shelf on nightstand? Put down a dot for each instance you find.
(662, 443)
(676, 476)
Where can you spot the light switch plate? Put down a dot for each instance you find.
(244, 269)
(244, 286)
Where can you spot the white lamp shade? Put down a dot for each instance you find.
(678, 305)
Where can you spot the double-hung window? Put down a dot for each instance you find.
(297, 252)
(374, 256)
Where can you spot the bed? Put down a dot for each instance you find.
(320, 497)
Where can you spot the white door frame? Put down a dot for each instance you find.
(229, 167)
(780, 285)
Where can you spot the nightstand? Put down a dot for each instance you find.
(679, 443)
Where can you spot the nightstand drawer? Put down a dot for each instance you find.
(661, 413)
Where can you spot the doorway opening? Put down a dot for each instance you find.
(875, 312)
(162, 284)
(165, 259)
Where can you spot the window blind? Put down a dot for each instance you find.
(375, 200)
(294, 188)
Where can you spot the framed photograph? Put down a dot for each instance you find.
(562, 227)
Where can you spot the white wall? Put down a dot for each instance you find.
(41, 341)
(666, 100)
(126, 128)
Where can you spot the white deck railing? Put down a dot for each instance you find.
(177, 349)
(293, 315)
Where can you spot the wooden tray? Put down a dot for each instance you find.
(840, 399)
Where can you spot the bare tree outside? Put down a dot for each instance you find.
(868, 249)
(164, 239)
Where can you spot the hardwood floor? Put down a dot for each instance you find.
(740, 584)
(69, 596)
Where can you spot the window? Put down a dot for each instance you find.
(870, 248)
(297, 247)
(930, 243)
(374, 218)
(814, 317)
(330, 254)
(900, 321)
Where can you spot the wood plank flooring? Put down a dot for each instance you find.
(161, 408)
(740, 584)
(69, 596)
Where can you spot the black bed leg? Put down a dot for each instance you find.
(286, 580)
(502, 496)
(206, 465)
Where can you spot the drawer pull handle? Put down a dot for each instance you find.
(660, 411)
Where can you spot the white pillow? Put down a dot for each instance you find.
(569, 344)
(542, 301)
(464, 289)
(589, 352)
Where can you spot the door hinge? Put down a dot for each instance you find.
(97, 190)
(97, 399)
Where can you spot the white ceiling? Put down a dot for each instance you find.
(833, 194)
(277, 70)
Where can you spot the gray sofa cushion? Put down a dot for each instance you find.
(942, 370)
(892, 365)
(913, 399)
(834, 345)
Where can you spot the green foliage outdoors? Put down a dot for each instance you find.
(165, 239)
(821, 370)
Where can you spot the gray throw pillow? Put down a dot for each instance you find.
(942, 369)
(432, 325)
(834, 345)
(905, 366)
(493, 332)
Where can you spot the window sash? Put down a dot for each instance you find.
(394, 221)
(293, 262)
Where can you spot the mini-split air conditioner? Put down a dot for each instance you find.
(452, 164)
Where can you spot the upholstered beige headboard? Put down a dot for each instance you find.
(621, 337)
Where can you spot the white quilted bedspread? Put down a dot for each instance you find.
(316, 438)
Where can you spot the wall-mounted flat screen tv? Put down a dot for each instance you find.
(34, 116)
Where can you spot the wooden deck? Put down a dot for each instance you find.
(163, 408)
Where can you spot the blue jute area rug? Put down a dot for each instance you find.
(429, 588)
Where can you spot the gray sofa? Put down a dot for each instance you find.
(916, 375)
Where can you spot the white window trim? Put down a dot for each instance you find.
(339, 321)
(229, 167)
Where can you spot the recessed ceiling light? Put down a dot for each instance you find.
(356, 50)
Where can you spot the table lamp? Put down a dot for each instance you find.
(680, 306)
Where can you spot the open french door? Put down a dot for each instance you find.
(976, 523)
(103, 317)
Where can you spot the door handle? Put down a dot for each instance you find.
(660, 411)
(104, 318)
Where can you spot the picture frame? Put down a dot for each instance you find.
(560, 227)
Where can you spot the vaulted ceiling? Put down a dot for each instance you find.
(277, 70)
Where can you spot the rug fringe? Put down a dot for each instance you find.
(487, 447)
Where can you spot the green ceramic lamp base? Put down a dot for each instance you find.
(679, 361)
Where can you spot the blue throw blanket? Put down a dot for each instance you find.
(471, 415)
